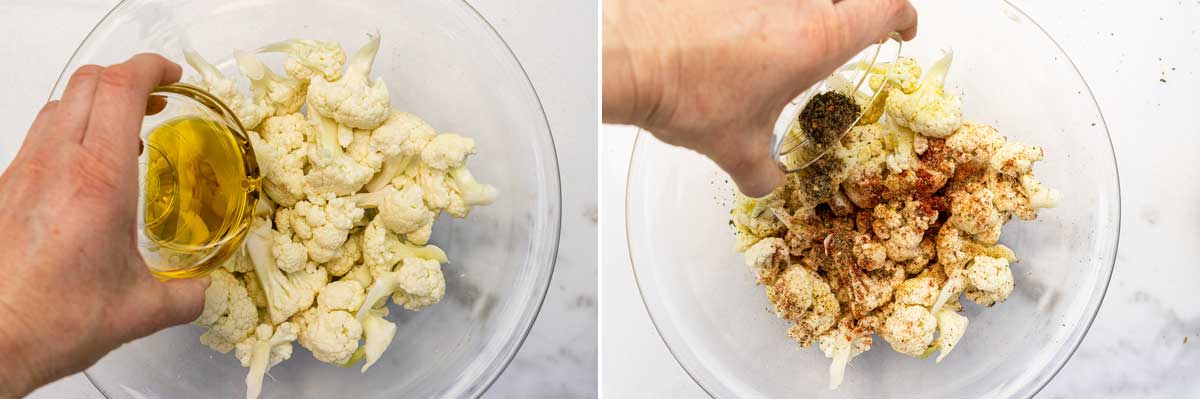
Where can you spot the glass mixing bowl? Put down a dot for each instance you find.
(718, 324)
(442, 61)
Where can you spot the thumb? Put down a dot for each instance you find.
(752, 168)
(871, 20)
(182, 300)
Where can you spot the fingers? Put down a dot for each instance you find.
(868, 21)
(122, 93)
(155, 105)
(76, 104)
(750, 164)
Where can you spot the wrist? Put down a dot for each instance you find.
(635, 56)
(16, 369)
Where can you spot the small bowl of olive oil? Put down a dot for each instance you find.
(198, 183)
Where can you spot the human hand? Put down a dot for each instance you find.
(75, 286)
(714, 75)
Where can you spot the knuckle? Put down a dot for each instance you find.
(118, 76)
(86, 72)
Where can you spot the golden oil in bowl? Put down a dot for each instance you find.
(199, 184)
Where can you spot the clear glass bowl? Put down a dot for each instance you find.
(718, 324)
(442, 61)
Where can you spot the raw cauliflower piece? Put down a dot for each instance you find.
(416, 284)
(928, 110)
(767, 257)
(332, 170)
(909, 329)
(353, 100)
(921, 290)
(289, 252)
(349, 255)
(400, 139)
(902, 224)
(904, 73)
(466, 192)
(974, 143)
(378, 334)
(331, 335)
(341, 295)
(214, 82)
(228, 312)
(447, 151)
(901, 143)
(865, 155)
(254, 288)
(753, 222)
(803, 297)
(238, 262)
(308, 58)
(361, 150)
(1039, 197)
(282, 155)
(323, 222)
(382, 249)
(401, 211)
(287, 293)
(989, 280)
(282, 95)
(841, 345)
(951, 326)
(1015, 158)
(263, 350)
(360, 273)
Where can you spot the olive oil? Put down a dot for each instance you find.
(198, 196)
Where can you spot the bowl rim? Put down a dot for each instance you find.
(1095, 302)
(512, 345)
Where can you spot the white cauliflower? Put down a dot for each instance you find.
(360, 273)
(416, 284)
(228, 312)
(466, 193)
(1015, 158)
(362, 150)
(767, 257)
(308, 58)
(904, 73)
(282, 95)
(332, 170)
(909, 329)
(382, 249)
(901, 143)
(1039, 197)
(214, 82)
(447, 151)
(353, 100)
(989, 280)
(323, 223)
(341, 295)
(928, 110)
(400, 139)
(263, 350)
(287, 293)
(331, 335)
(254, 288)
(238, 262)
(951, 326)
(282, 155)
(378, 334)
(349, 255)
(289, 252)
(401, 211)
(841, 345)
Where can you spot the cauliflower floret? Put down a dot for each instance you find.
(803, 297)
(360, 273)
(401, 211)
(382, 249)
(865, 155)
(361, 150)
(754, 221)
(447, 151)
(400, 139)
(843, 344)
(926, 251)
(1015, 159)
(228, 312)
(254, 288)
(213, 81)
(331, 335)
(869, 255)
(263, 350)
(767, 257)
(308, 58)
(973, 210)
(287, 293)
(238, 262)
(928, 110)
(989, 280)
(323, 223)
(902, 224)
(282, 156)
(922, 291)
(290, 254)
(378, 334)
(353, 100)
(974, 143)
(349, 255)
(904, 73)
(466, 192)
(1010, 198)
(951, 326)
(282, 95)
(332, 171)
(1039, 196)
(901, 144)
(341, 295)
(909, 329)
(416, 284)
(954, 250)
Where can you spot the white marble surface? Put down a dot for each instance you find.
(1136, 347)
(555, 42)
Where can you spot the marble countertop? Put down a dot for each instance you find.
(1136, 346)
(555, 42)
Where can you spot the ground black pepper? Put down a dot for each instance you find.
(827, 116)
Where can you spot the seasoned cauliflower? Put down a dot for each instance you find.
(802, 297)
(353, 100)
(1039, 197)
(228, 312)
(843, 344)
(282, 155)
(1015, 159)
(951, 326)
(974, 143)
(973, 210)
(753, 222)
(767, 257)
(249, 113)
(921, 291)
(308, 58)
(909, 329)
(282, 95)
(928, 110)
(989, 280)
(902, 225)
